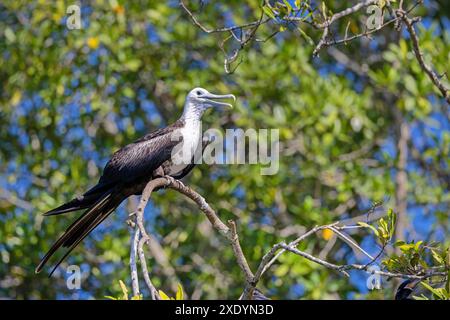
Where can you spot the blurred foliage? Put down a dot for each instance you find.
(69, 98)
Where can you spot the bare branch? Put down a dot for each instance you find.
(229, 232)
(279, 248)
(323, 42)
(218, 30)
(133, 265)
(154, 293)
(352, 243)
(347, 12)
(269, 259)
(327, 43)
(419, 55)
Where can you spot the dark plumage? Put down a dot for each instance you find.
(406, 288)
(129, 170)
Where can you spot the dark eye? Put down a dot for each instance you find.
(199, 93)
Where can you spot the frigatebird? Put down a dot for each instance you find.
(132, 167)
(406, 288)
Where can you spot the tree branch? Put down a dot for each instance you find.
(218, 30)
(279, 248)
(419, 55)
(133, 264)
(229, 232)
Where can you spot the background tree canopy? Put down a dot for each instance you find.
(360, 123)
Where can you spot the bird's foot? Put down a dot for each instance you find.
(181, 183)
(131, 220)
(172, 180)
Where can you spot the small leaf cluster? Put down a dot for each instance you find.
(385, 229)
(124, 295)
(420, 259)
(179, 295)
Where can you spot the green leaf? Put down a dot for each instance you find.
(268, 11)
(124, 290)
(437, 257)
(163, 295)
(179, 295)
(418, 244)
(324, 9)
(438, 293)
(305, 36)
(9, 34)
(133, 65)
(363, 224)
(399, 243)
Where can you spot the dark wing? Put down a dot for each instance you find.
(138, 159)
(406, 288)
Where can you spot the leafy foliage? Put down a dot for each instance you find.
(416, 258)
(386, 227)
(124, 295)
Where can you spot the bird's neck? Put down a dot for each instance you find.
(191, 129)
(192, 113)
(191, 125)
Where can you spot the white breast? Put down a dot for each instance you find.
(191, 135)
(183, 153)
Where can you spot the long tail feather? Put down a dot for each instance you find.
(73, 205)
(76, 240)
(79, 229)
(82, 202)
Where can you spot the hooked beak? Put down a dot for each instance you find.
(211, 97)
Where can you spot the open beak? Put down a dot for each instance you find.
(211, 97)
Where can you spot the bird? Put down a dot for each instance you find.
(406, 288)
(130, 169)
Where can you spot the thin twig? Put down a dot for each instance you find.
(219, 30)
(419, 55)
(133, 264)
(154, 293)
(269, 259)
(314, 259)
(352, 243)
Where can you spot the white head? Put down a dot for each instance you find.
(198, 100)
